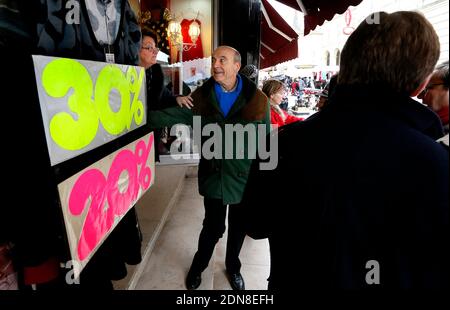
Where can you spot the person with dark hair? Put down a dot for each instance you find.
(435, 94)
(326, 92)
(373, 183)
(300, 90)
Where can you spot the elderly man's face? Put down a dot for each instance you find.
(435, 95)
(224, 68)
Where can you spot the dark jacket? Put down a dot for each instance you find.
(370, 183)
(220, 178)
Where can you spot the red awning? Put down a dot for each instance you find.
(278, 39)
(317, 11)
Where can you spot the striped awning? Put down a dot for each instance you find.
(278, 39)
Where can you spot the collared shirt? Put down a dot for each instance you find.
(227, 99)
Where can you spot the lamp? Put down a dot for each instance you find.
(176, 38)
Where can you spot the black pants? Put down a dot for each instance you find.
(212, 231)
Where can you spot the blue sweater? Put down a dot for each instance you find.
(227, 99)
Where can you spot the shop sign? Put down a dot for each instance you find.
(95, 199)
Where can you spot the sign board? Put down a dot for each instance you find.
(86, 104)
(95, 199)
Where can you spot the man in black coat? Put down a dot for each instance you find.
(368, 207)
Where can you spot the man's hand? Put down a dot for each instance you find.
(185, 101)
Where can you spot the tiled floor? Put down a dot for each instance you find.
(171, 258)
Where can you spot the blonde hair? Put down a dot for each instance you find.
(397, 50)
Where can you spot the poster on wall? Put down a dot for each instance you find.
(95, 199)
(86, 104)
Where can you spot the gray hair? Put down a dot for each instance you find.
(442, 72)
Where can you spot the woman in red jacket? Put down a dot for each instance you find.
(275, 91)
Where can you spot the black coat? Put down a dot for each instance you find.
(370, 183)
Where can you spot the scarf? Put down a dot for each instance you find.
(279, 111)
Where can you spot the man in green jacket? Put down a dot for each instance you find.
(227, 101)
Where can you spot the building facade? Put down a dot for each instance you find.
(320, 50)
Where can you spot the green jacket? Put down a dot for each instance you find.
(221, 178)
